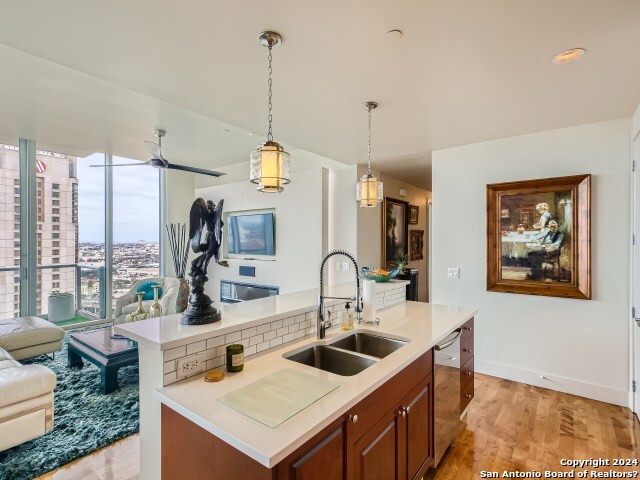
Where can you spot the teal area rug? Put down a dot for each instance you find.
(84, 419)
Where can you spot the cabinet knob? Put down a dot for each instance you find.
(403, 412)
(467, 328)
(468, 350)
(468, 396)
(407, 409)
(468, 373)
(353, 418)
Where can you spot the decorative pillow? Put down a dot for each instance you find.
(147, 289)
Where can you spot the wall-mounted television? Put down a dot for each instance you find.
(250, 234)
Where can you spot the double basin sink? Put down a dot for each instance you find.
(348, 355)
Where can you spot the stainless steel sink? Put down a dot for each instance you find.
(368, 344)
(349, 355)
(332, 360)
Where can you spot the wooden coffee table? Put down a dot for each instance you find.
(106, 353)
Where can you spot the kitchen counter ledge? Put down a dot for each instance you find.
(423, 324)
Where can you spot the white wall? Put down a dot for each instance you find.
(301, 236)
(636, 123)
(343, 225)
(581, 347)
(370, 227)
(175, 206)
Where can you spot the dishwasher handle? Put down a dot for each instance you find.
(448, 343)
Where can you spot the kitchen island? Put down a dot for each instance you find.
(420, 325)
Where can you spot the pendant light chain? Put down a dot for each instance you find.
(369, 144)
(270, 84)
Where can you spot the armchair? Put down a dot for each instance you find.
(128, 303)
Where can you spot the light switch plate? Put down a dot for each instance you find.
(453, 273)
(345, 266)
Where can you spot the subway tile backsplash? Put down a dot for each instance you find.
(263, 337)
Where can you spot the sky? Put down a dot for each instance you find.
(135, 201)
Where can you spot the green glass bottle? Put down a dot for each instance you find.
(235, 358)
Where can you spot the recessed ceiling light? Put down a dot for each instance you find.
(394, 34)
(569, 55)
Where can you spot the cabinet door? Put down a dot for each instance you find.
(319, 459)
(377, 455)
(418, 443)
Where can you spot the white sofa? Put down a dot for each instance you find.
(26, 401)
(128, 303)
(25, 337)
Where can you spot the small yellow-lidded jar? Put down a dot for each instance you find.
(235, 358)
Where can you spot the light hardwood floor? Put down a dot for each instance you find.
(511, 426)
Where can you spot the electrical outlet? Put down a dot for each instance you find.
(453, 273)
(345, 266)
(191, 365)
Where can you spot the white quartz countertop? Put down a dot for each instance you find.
(166, 332)
(423, 324)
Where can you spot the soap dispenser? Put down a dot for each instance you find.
(347, 318)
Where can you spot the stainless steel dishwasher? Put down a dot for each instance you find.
(446, 393)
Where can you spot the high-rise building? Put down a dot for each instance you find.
(56, 227)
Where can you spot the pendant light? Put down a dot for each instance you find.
(369, 189)
(269, 164)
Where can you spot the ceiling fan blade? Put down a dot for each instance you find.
(154, 149)
(201, 171)
(137, 164)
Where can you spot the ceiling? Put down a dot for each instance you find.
(101, 76)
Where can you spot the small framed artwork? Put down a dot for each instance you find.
(414, 210)
(416, 245)
(539, 237)
(395, 230)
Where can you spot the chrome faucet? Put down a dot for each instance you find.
(321, 324)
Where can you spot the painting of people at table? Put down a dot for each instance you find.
(536, 237)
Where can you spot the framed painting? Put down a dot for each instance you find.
(395, 231)
(416, 245)
(414, 211)
(539, 237)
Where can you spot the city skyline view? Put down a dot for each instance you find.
(135, 202)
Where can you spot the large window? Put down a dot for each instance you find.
(9, 231)
(91, 235)
(56, 232)
(68, 228)
(136, 217)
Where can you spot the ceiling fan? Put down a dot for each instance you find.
(158, 161)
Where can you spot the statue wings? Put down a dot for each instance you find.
(197, 220)
(217, 221)
(200, 215)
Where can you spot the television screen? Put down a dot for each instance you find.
(252, 234)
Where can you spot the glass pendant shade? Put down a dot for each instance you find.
(369, 191)
(270, 167)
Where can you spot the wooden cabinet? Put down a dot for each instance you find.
(378, 454)
(399, 445)
(466, 368)
(418, 431)
(321, 458)
(387, 435)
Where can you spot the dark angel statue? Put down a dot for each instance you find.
(205, 237)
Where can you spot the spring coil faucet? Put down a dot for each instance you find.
(321, 324)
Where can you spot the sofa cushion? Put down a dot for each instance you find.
(132, 307)
(22, 332)
(23, 382)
